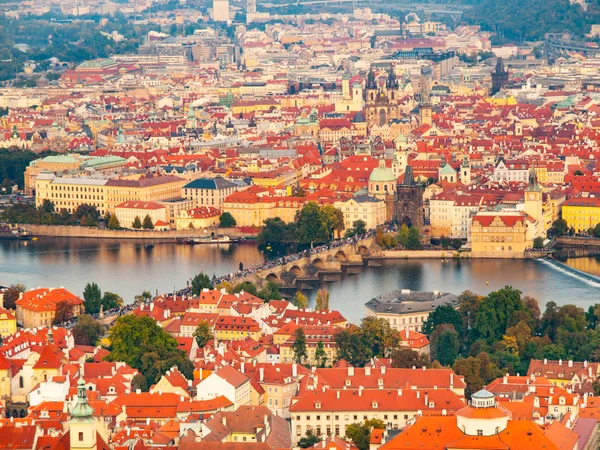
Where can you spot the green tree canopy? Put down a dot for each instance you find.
(360, 433)
(226, 220)
(495, 313)
(11, 295)
(92, 295)
(87, 331)
(203, 334)
(199, 282)
(147, 223)
(113, 222)
(300, 300)
(270, 291)
(137, 223)
(405, 358)
(141, 343)
(299, 345)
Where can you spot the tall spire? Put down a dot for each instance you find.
(82, 410)
(533, 182)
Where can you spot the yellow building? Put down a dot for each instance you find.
(37, 308)
(230, 328)
(581, 213)
(8, 323)
(252, 106)
(501, 235)
(249, 209)
(284, 176)
(371, 210)
(197, 218)
(105, 195)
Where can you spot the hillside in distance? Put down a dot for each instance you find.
(531, 19)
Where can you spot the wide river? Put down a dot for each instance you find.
(127, 268)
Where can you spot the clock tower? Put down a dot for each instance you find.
(534, 201)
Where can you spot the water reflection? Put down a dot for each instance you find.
(128, 268)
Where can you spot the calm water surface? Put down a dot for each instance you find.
(127, 268)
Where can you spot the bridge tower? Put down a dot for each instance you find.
(499, 77)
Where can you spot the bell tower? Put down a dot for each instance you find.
(534, 201)
(83, 434)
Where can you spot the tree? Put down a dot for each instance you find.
(405, 358)
(311, 225)
(596, 387)
(87, 331)
(309, 440)
(11, 295)
(226, 220)
(444, 344)
(299, 345)
(92, 296)
(300, 300)
(200, 282)
(379, 336)
(144, 297)
(320, 355)
(444, 314)
(560, 227)
(147, 224)
(403, 236)
(322, 300)
(477, 371)
(360, 433)
(351, 346)
(538, 242)
(139, 382)
(137, 223)
(270, 291)
(359, 226)
(145, 346)
(277, 231)
(414, 239)
(596, 230)
(203, 334)
(495, 313)
(63, 313)
(111, 301)
(113, 223)
(246, 286)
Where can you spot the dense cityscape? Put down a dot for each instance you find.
(322, 224)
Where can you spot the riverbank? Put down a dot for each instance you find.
(88, 232)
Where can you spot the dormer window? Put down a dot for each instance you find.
(318, 405)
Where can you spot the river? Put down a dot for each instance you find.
(127, 268)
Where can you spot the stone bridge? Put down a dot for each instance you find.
(327, 264)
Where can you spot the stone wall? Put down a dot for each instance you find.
(86, 232)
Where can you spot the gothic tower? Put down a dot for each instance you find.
(534, 205)
(499, 77)
(381, 102)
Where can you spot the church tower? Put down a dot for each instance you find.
(499, 77)
(425, 109)
(83, 433)
(465, 171)
(534, 205)
(381, 102)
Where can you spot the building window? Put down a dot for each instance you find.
(479, 432)
(80, 436)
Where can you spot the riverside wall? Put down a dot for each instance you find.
(87, 232)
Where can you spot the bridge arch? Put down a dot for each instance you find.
(296, 270)
(273, 278)
(319, 263)
(341, 256)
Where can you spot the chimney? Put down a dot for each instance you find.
(382, 370)
(451, 380)
(337, 395)
(426, 399)
(243, 367)
(560, 362)
(418, 394)
(570, 363)
(294, 370)
(368, 371)
(545, 361)
(399, 392)
(261, 371)
(505, 379)
(350, 371)
(360, 389)
(224, 420)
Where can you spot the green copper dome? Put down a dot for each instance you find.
(382, 174)
(82, 410)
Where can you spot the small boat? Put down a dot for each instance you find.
(16, 234)
(149, 246)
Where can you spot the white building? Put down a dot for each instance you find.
(220, 11)
(229, 382)
(126, 212)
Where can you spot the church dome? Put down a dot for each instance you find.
(382, 174)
